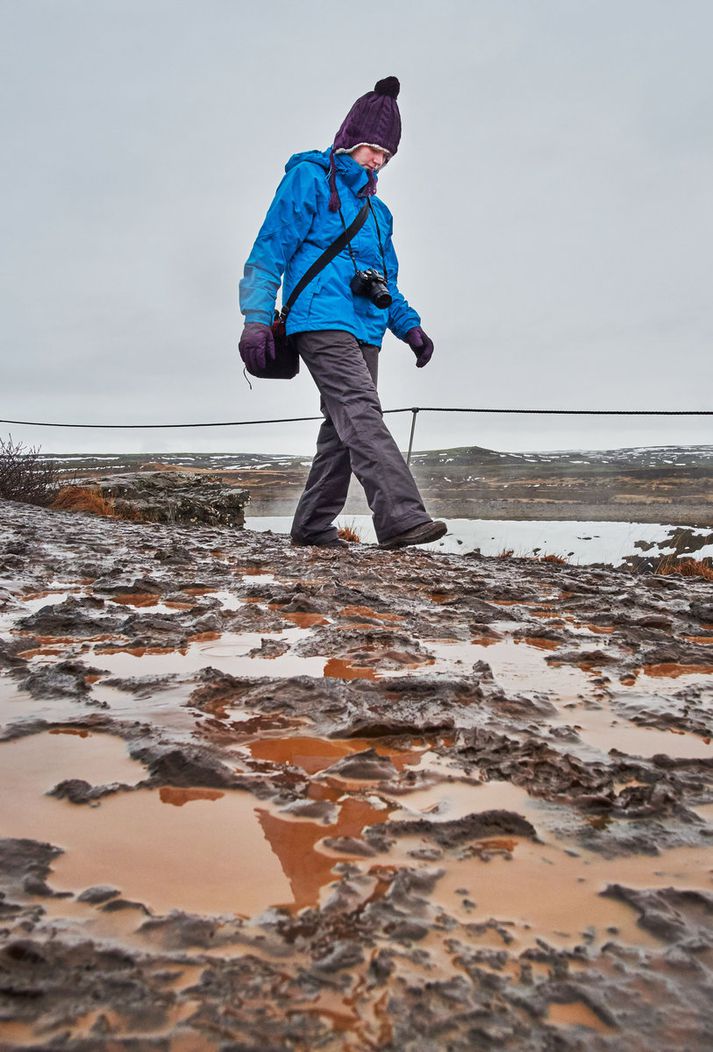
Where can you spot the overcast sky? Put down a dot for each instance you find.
(552, 200)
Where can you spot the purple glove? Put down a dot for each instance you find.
(421, 345)
(257, 345)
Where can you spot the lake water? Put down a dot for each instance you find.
(579, 542)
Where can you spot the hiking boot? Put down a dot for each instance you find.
(424, 533)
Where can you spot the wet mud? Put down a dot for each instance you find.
(256, 796)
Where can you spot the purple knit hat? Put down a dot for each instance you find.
(373, 120)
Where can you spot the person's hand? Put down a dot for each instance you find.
(421, 345)
(257, 345)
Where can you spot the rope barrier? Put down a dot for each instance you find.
(409, 409)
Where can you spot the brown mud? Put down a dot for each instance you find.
(263, 797)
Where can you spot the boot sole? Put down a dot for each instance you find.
(435, 531)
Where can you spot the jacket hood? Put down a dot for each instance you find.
(352, 173)
(315, 156)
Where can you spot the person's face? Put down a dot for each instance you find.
(370, 157)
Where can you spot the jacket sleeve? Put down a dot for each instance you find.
(286, 225)
(402, 317)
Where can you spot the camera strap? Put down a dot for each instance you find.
(327, 256)
(378, 236)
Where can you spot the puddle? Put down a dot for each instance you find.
(253, 573)
(517, 666)
(170, 794)
(164, 707)
(16, 1033)
(308, 869)
(358, 612)
(34, 601)
(17, 705)
(540, 642)
(230, 601)
(229, 654)
(302, 620)
(602, 729)
(670, 670)
(34, 764)
(647, 741)
(194, 849)
(136, 599)
(213, 851)
(452, 800)
(205, 855)
(548, 893)
(313, 755)
(577, 1013)
(338, 668)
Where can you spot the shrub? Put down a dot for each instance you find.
(24, 476)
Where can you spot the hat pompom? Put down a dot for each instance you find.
(388, 86)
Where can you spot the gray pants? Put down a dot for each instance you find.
(352, 438)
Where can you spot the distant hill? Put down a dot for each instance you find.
(667, 484)
(635, 457)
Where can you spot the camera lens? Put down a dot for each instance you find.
(380, 295)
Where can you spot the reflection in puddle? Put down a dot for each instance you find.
(302, 620)
(517, 665)
(308, 869)
(672, 670)
(451, 800)
(229, 654)
(169, 794)
(140, 599)
(316, 754)
(358, 613)
(338, 668)
(540, 642)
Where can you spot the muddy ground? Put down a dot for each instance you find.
(260, 797)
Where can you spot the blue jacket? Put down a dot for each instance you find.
(297, 229)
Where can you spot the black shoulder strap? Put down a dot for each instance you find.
(327, 256)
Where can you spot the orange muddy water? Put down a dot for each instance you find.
(221, 851)
(439, 722)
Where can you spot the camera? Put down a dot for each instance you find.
(371, 283)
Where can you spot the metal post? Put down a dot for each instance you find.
(410, 438)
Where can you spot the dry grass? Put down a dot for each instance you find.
(552, 558)
(685, 568)
(84, 498)
(350, 533)
(506, 553)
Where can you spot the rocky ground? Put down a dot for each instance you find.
(261, 797)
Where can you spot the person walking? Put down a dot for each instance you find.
(339, 319)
